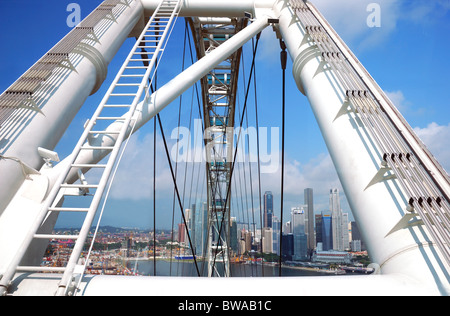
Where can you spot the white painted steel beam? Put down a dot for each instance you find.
(105, 285)
(210, 8)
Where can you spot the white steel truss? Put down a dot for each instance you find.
(219, 97)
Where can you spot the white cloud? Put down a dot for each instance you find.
(398, 99)
(349, 19)
(134, 178)
(436, 138)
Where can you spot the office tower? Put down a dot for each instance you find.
(233, 235)
(327, 236)
(267, 240)
(336, 220)
(339, 222)
(288, 246)
(276, 226)
(247, 240)
(287, 228)
(356, 235)
(308, 196)
(318, 227)
(192, 226)
(268, 209)
(298, 231)
(345, 231)
(181, 233)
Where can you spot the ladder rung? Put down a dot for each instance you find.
(116, 106)
(123, 94)
(47, 236)
(40, 269)
(143, 53)
(98, 147)
(148, 47)
(136, 67)
(133, 76)
(88, 165)
(68, 209)
(104, 132)
(111, 118)
(127, 84)
(81, 186)
(140, 59)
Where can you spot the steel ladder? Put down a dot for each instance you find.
(127, 90)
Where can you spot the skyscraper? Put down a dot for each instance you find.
(339, 222)
(326, 232)
(268, 209)
(298, 231)
(233, 235)
(318, 227)
(276, 227)
(308, 193)
(336, 220)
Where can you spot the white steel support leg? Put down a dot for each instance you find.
(379, 208)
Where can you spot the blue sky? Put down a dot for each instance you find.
(407, 56)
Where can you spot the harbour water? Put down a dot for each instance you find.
(187, 268)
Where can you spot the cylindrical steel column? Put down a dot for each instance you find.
(46, 129)
(379, 208)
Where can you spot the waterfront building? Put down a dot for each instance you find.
(332, 256)
(355, 245)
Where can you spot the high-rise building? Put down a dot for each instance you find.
(233, 235)
(327, 235)
(356, 235)
(309, 202)
(268, 209)
(336, 220)
(318, 227)
(339, 222)
(298, 220)
(181, 233)
(288, 246)
(276, 228)
(267, 240)
(345, 232)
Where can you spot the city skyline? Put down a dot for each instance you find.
(307, 161)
